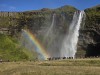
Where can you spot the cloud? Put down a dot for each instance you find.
(7, 7)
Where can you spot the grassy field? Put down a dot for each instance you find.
(57, 67)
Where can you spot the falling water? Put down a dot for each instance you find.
(69, 45)
(50, 31)
(50, 36)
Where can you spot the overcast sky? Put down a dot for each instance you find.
(23, 5)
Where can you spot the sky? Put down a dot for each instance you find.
(24, 5)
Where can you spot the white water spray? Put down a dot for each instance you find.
(69, 45)
(50, 31)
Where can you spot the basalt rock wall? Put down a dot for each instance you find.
(89, 39)
(38, 21)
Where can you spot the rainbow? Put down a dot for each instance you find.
(40, 49)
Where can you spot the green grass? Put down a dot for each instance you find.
(11, 49)
(58, 67)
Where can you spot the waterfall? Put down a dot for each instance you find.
(50, 31)
(69, 45)
(50, 36)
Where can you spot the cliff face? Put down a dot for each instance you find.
(50, 26)
(39, 22)
(89, 39)
(34, 20)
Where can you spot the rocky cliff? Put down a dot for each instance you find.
(89, 39)
(38, 21)
(15, 21)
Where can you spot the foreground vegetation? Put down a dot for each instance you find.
(57, 67)
(11, 50)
